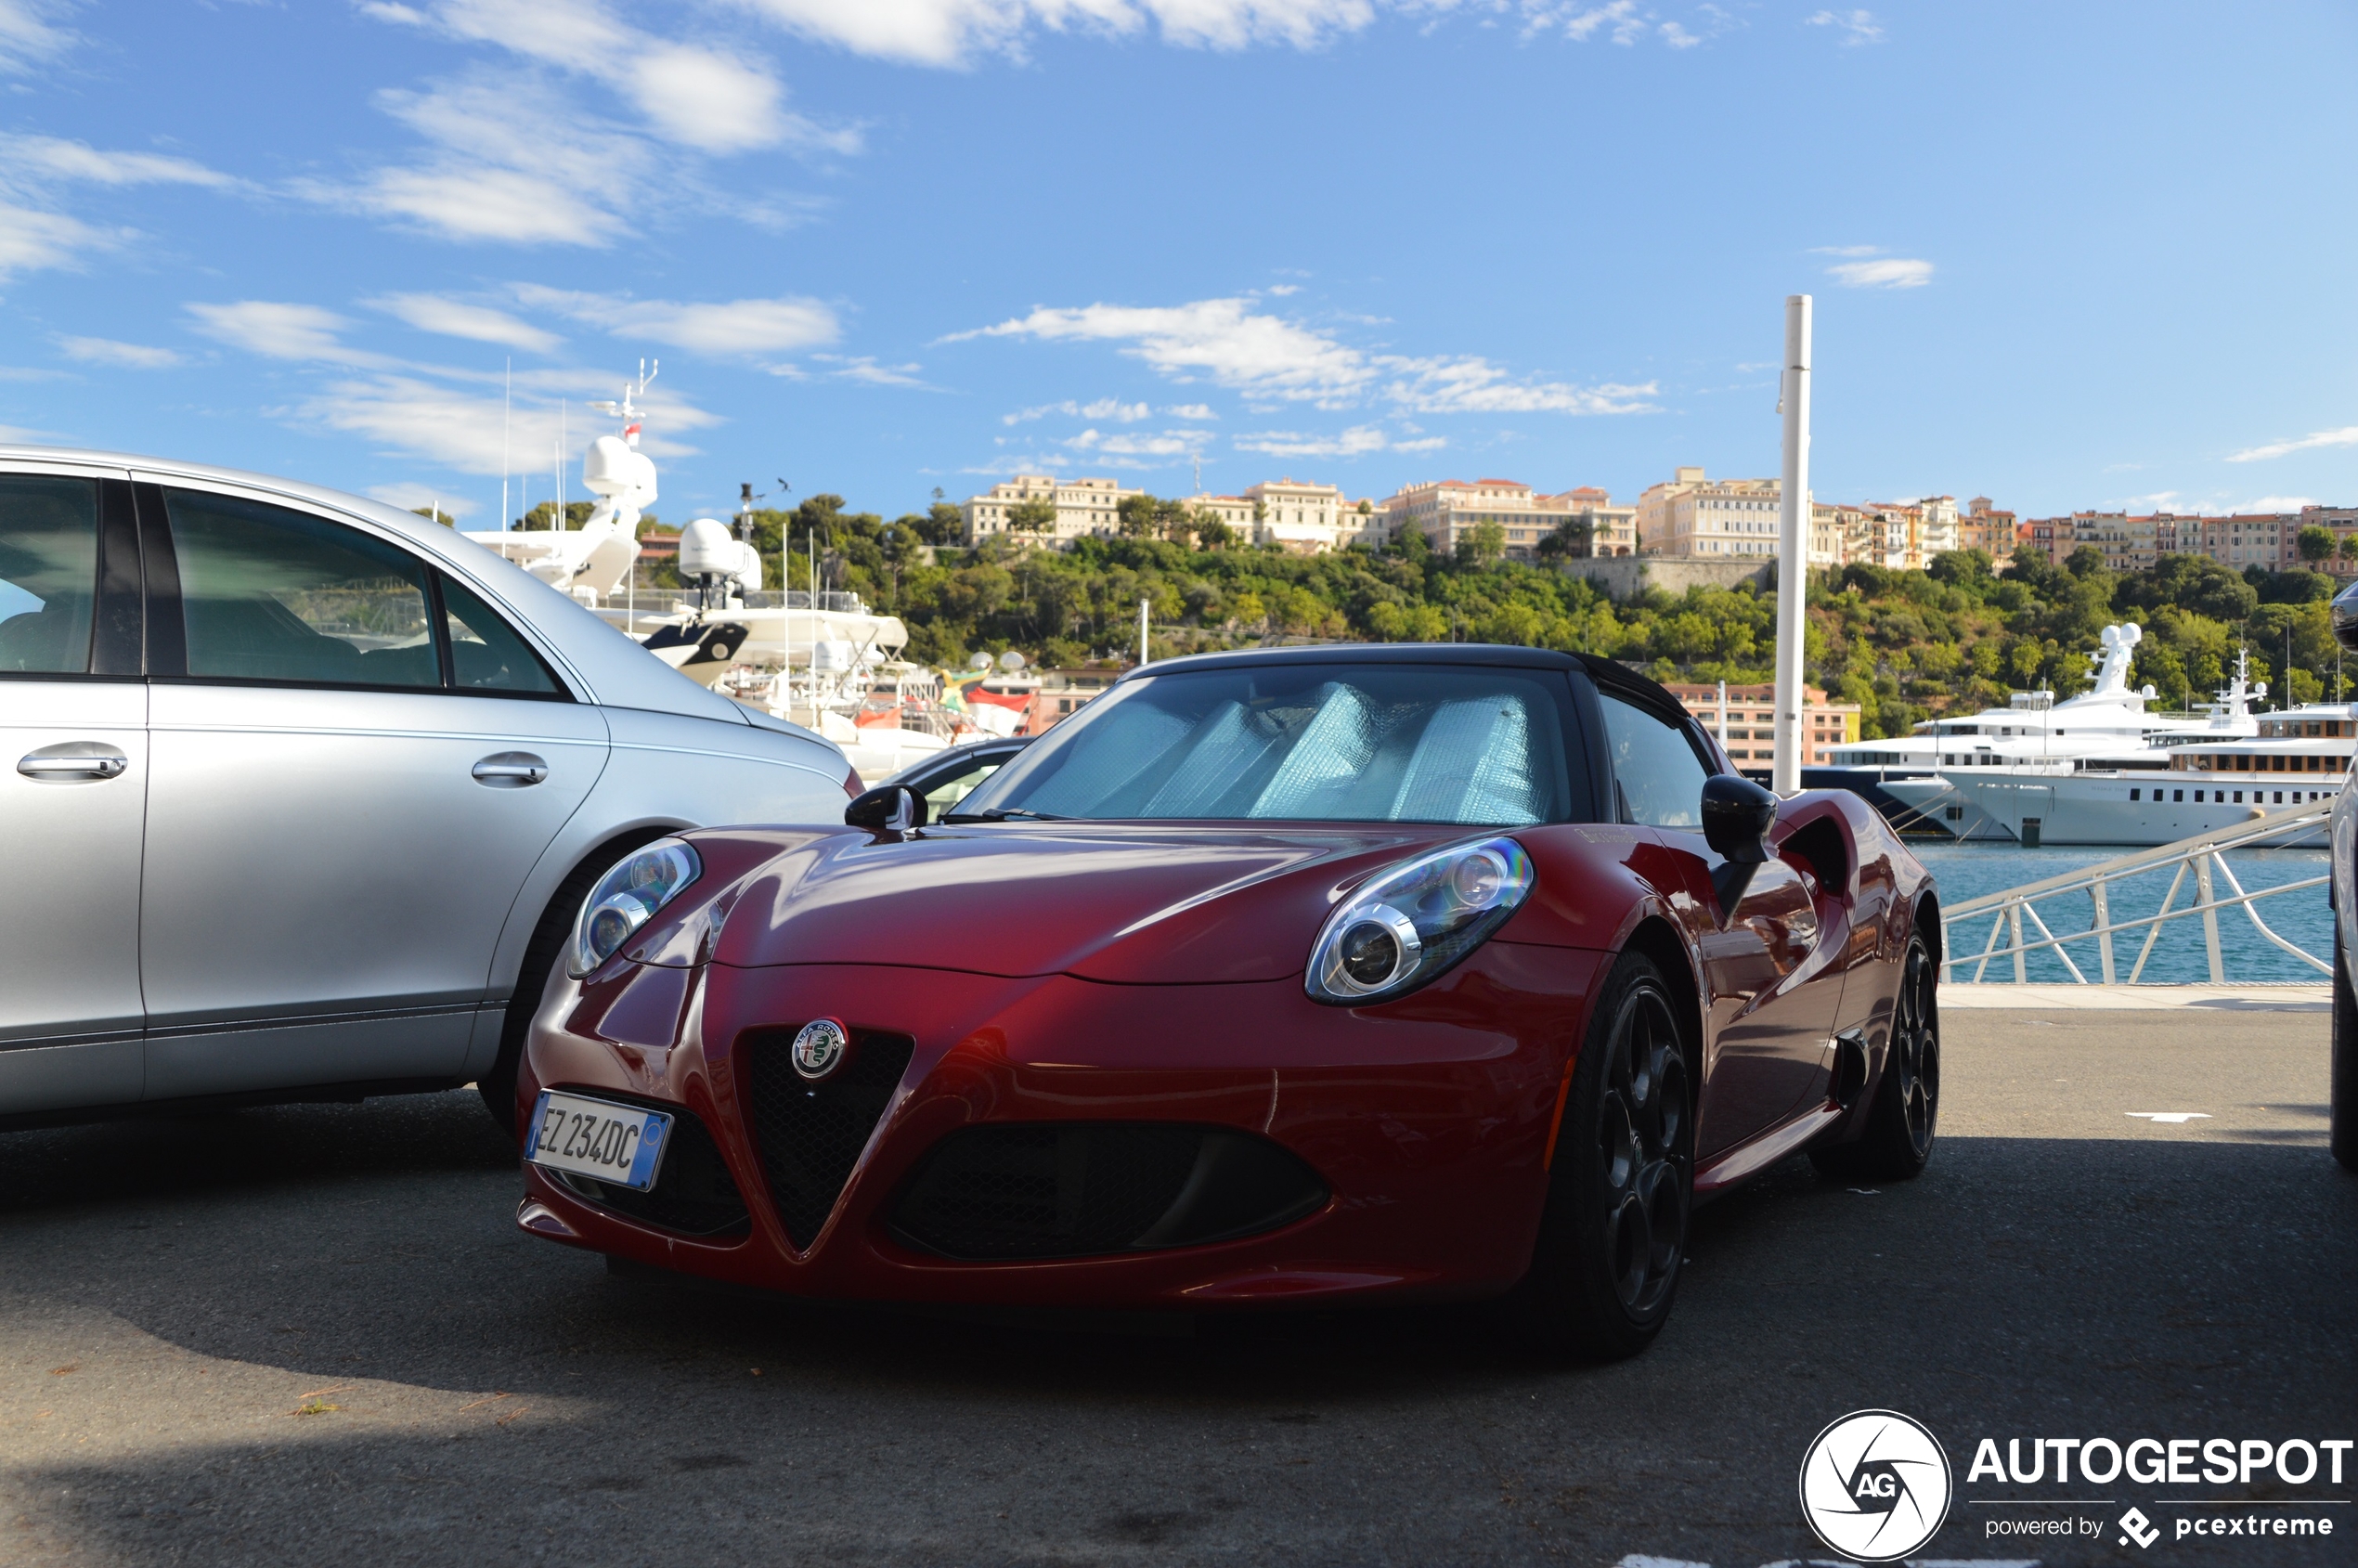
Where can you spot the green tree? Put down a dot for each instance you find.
(438, 515)
(1033, 517)
(1137, 516)
(2315, 543)
(1484, 545)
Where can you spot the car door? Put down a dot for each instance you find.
(357, 762)
(1771, 996)
(74, 718)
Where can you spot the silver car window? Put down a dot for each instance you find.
(1303, 743)
(272, 594)
(485, 652)
(1655, 764)
(48, 572)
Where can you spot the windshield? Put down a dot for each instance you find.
(1320, 743)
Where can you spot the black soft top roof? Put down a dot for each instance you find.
(1604, 671)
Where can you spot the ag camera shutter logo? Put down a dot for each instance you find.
(1875, 1485)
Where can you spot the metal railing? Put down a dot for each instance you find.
(2203, 856)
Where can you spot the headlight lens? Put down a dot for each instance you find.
(1413, 923)
(627, 897)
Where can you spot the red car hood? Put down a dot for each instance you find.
(1138, 905)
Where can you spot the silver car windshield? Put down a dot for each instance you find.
(1317, 742)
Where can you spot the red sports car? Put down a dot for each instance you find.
(1294, 976)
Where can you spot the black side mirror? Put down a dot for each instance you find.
(893, 809)
(2345, 618)
(1737, 815)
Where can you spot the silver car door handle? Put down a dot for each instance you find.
(74, 759)
(511, 770)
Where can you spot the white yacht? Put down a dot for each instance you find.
(1908, 776)
(2298, 757)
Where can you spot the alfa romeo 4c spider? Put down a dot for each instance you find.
(1293, 976)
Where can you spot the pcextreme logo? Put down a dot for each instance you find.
(1875, 1485)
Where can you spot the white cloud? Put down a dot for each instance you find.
(1170, 444)
(1357, 441)
(510, 162)
(735, 328)
(452, 318)
(35, 232)
(1103, 408)
(2346, 436)
(460, 426)
(52, 157)
(1191, 411)
(2269, 503)
(1273, 360)
(28, 37)
(280, 330)
(865, 369)
(1890, 272)
(1844, 250)
(1857, 27)
(409, 495)
(949, 32)
(127, 356)
(32, 238)
(711, 100)
(512, 155)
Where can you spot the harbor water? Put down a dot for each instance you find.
(1970, 871)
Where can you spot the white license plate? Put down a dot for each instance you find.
(596, 1138)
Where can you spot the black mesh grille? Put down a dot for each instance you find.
(811, 1134)
(693, 1193)
(1066, 1190)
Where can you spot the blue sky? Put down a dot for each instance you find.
(2069, 256)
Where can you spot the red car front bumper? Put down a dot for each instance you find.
(1428, 1121)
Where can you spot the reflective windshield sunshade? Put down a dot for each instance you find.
(1412, 923)
(627, 897)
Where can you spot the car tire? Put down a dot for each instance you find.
(2344, 1089)
(1904, 1116)
(1604, 1272)
(498, 1087)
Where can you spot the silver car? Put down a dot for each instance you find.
(303, 791)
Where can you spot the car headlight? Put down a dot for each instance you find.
(627, 897)
(1413, 923)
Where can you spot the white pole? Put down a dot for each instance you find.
(1793, 558)
(1142, 634)
(507, 397)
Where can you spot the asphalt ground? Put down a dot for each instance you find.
(314, 1334)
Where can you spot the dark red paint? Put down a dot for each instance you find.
(1154, 972)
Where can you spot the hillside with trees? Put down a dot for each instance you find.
(1904, 646)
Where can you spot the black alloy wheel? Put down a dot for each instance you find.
(1896, 1139)
(1605, 1269)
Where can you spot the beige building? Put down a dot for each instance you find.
(1692, 515)
(1744, 719)
(1448, 510)
(1988, 528)
(1612, 530)
(1084, 507)
(1298, 517)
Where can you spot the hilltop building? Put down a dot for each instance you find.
(1083, 507)
(1744, 719)
(1448, 510)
